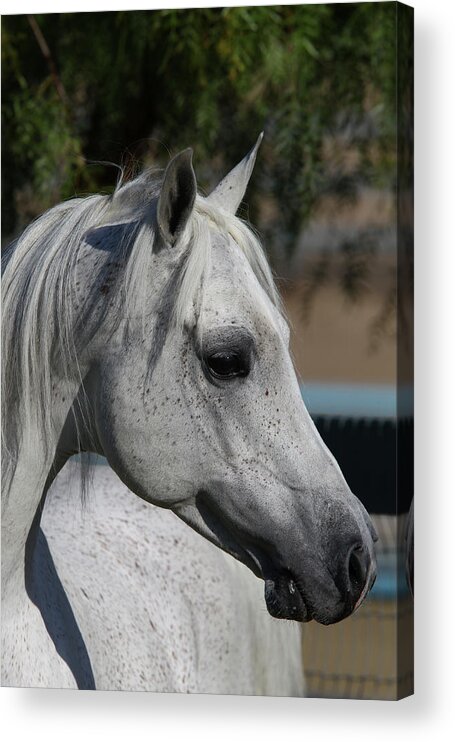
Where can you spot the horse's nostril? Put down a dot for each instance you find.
(357, 569)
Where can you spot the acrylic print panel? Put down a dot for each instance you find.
(207, 362)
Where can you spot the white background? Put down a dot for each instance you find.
(68, 715)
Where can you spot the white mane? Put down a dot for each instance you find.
(39, 326)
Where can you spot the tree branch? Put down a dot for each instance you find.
(42, 43)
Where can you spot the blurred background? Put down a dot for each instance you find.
(130, 87)
(85, 93)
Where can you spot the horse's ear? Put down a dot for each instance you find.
(230, 191)
(177, 196)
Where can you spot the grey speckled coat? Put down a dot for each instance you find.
(159, 607)
(146, 327)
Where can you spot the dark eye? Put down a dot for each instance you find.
(226, 364)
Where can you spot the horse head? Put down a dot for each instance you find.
(197, 406)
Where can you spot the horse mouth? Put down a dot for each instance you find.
(284, 599)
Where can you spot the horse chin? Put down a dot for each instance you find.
(285, 600)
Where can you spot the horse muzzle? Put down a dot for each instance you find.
(330, 597)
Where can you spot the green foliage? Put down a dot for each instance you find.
(139, 82)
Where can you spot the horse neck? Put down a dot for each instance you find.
(37, 464)
(36, 467)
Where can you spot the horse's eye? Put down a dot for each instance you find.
(225, 365)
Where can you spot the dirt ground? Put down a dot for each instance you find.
(359, 657)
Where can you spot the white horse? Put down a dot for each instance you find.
(146, 327)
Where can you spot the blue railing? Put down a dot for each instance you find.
(377, 401)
